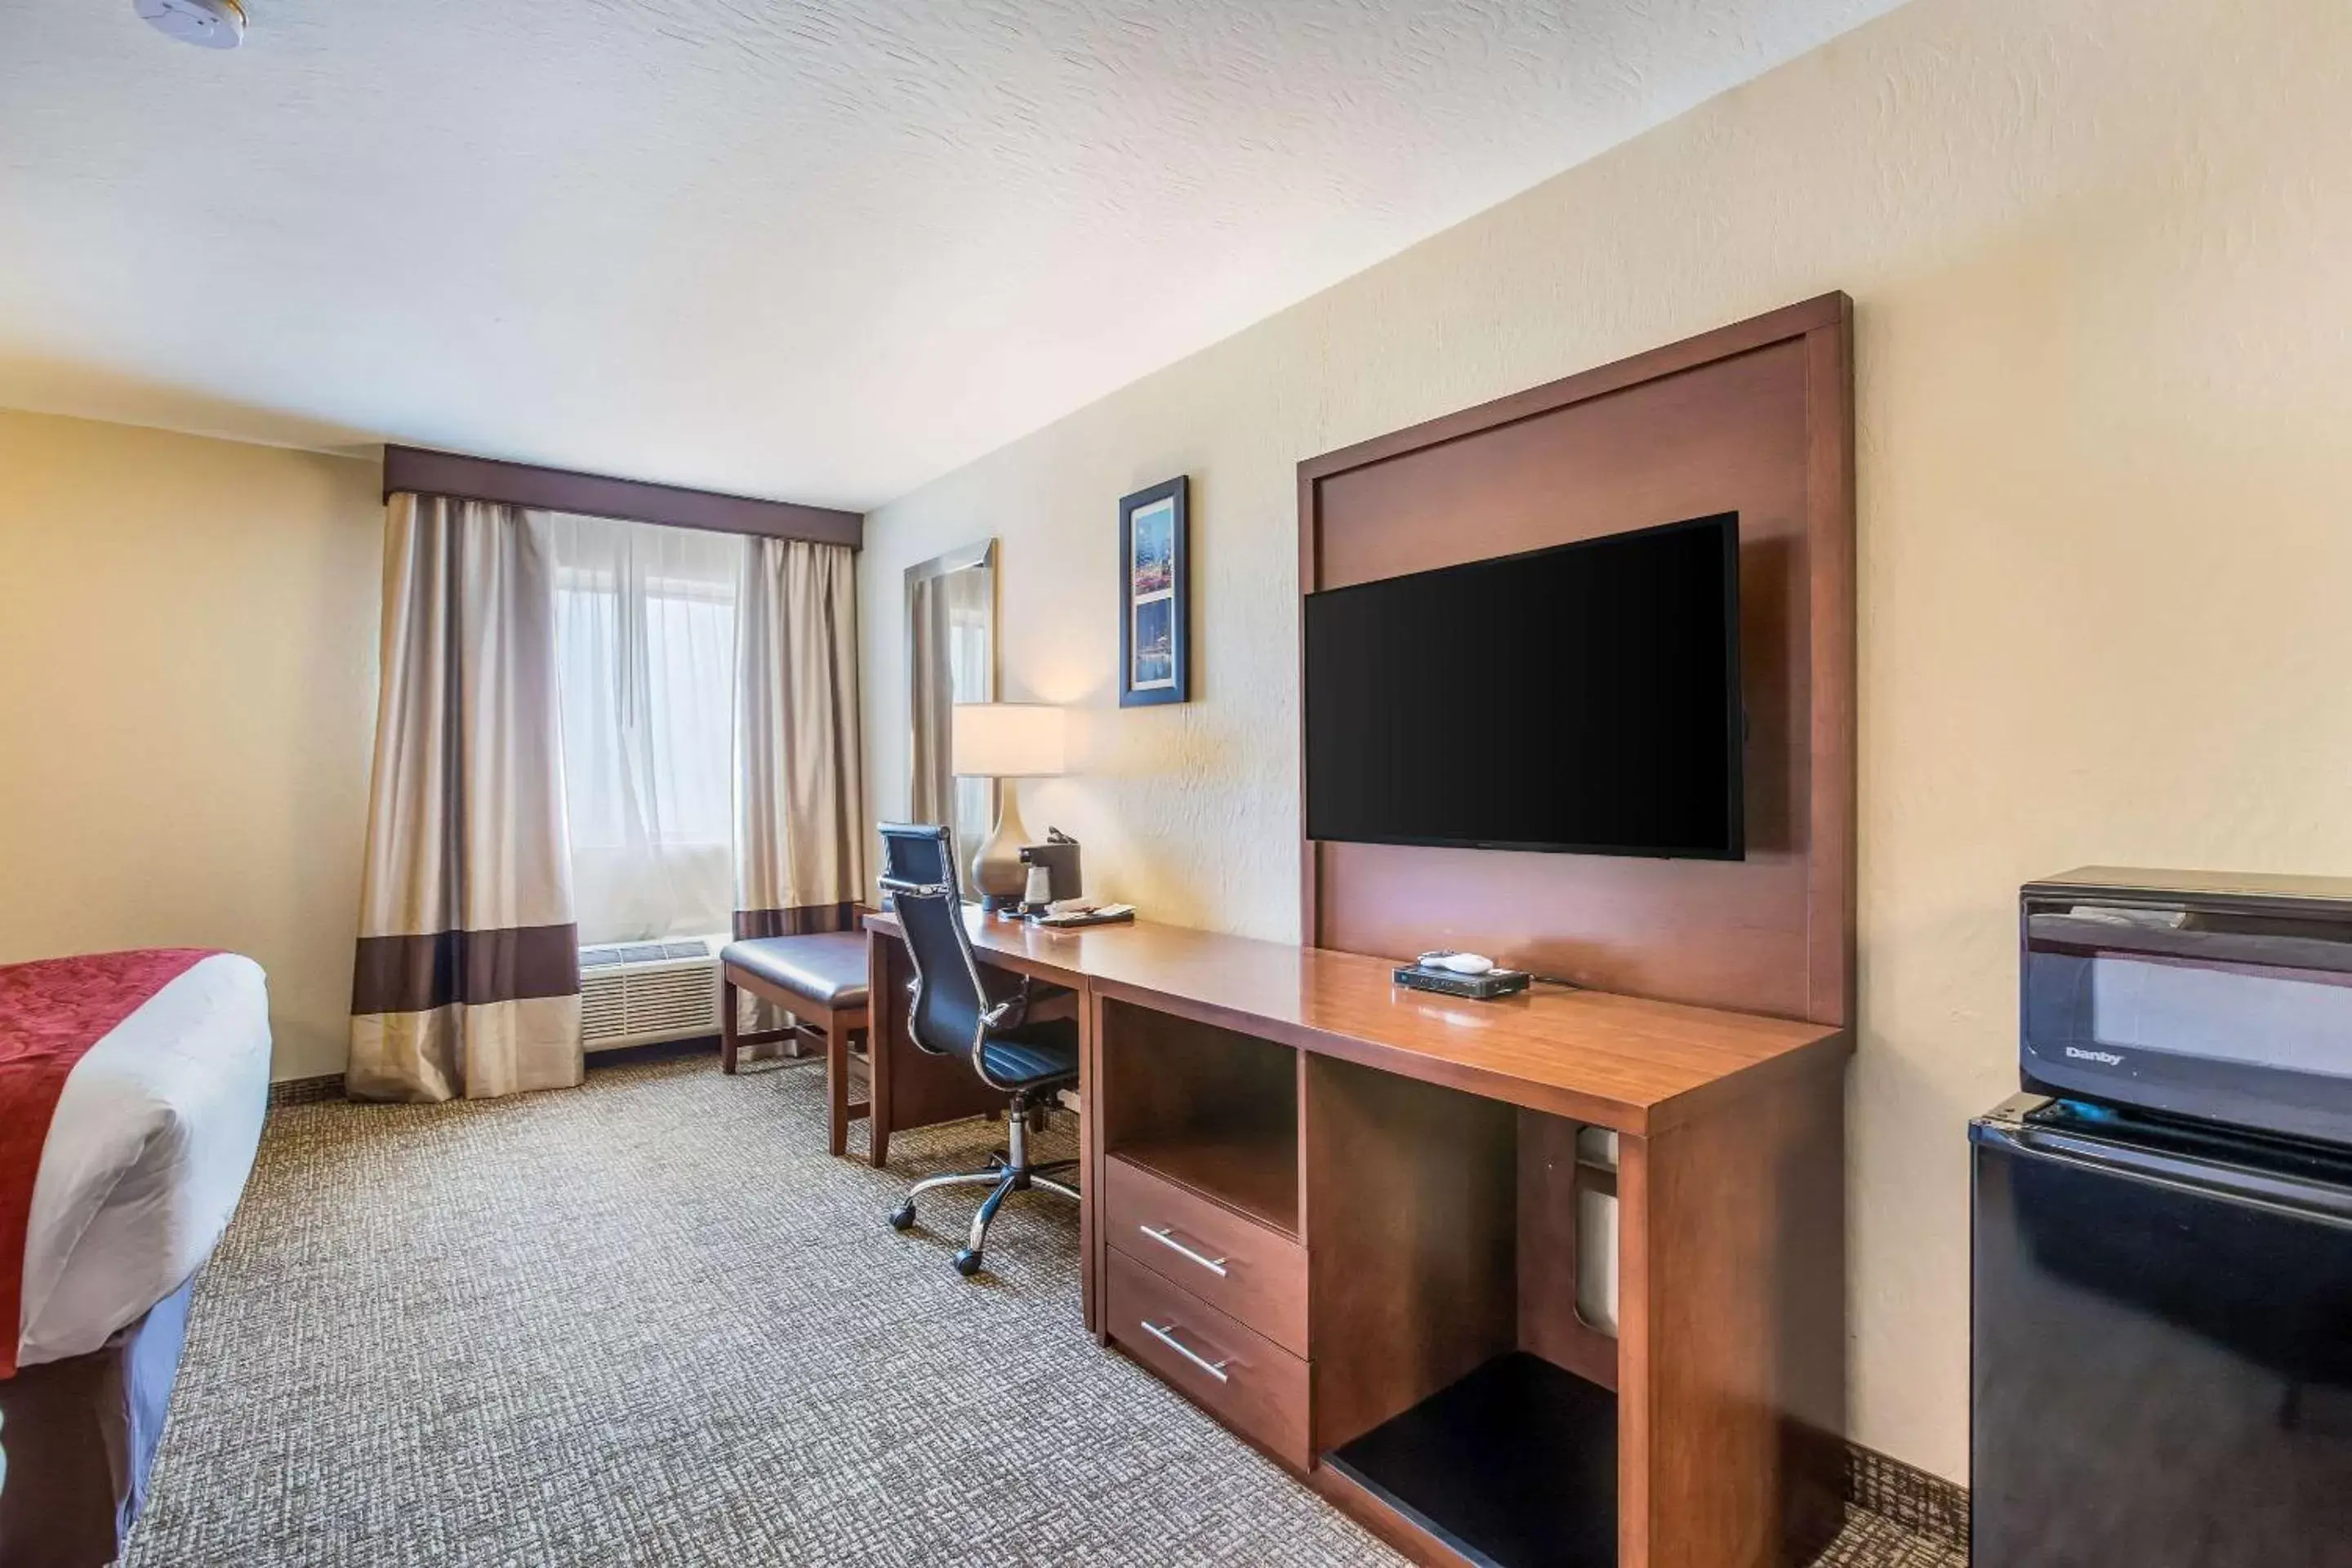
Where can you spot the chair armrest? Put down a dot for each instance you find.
(1008, 1011)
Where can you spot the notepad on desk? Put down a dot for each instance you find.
(1074, 912)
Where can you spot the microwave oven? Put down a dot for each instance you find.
(2223, 998)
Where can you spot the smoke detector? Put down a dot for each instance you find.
(209, 24)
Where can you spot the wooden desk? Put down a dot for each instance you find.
(1320, 1205)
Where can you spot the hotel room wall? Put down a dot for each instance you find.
(189, 629)
(2099, 252)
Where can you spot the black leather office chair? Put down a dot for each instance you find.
(953, 1013)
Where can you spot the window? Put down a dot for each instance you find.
(646, 653)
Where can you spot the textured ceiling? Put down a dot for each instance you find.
(786, 247)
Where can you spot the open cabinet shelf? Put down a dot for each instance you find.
(1208, 1109)
(1514, 1466)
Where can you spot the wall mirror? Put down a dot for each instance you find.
(950, 657)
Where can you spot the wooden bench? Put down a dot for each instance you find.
(820, 980)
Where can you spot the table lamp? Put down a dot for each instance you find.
(1005, 741)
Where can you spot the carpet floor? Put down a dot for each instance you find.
(652, 1321)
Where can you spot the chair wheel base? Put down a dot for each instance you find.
(967, 1263)
(902, 1217)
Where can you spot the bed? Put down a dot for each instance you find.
(147, 1145)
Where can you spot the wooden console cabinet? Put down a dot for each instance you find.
(1341, 1218)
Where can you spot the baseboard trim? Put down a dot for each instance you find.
(1921, 1502)
(330, 1086)
(306, 1090)
(658, 1051)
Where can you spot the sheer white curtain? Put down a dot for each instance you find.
(645, 654)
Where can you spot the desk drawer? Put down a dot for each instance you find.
(1188, 1239)
(1258, 1388)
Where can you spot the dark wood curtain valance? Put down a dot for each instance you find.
(424, 472)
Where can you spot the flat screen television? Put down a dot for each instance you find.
(1583, 699)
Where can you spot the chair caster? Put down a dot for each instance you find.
(967, 1262)
(903, 1216)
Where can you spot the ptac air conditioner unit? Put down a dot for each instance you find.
(640, 993)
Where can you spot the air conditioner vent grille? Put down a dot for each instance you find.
(640, 993)
(607, 956)
(604, 1009)
(670, 999)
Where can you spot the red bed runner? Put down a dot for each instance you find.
(51, 1013)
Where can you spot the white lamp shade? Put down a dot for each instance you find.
(1006, 741)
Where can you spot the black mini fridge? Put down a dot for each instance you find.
(2163, 1244)
(2163, 1344)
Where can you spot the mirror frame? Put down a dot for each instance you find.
(962, 558)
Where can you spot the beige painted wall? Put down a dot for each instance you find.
(188, 628)
(2100, 251)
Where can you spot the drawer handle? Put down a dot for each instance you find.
(1160, 1234)
(1165, 1334)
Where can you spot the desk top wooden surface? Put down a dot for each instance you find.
(1614, 1061)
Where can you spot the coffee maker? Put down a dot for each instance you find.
(1053, 870)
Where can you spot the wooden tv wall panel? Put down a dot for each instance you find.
(1755, 418)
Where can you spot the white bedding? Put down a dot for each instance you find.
(153, 1137)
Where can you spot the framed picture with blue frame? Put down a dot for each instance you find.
(1155, 595)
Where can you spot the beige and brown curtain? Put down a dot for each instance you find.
(800, 795)
(467, 981)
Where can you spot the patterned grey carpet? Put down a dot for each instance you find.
(652, 1322)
